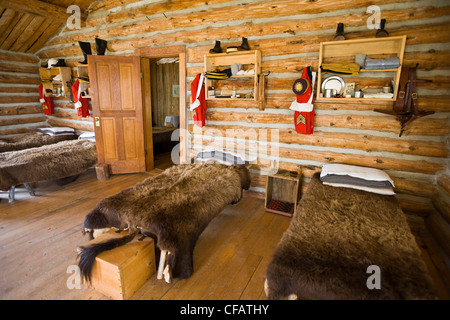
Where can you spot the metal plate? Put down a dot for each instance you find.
(333, 82)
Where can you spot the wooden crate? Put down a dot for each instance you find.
(120, 272)
(282, 193)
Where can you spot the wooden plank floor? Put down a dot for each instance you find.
(39, 237)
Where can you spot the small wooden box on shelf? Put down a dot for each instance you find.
(283, 193)
(219, 61)
(346, 50)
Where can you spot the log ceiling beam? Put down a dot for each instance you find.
(40, 8)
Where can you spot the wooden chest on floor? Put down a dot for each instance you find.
(120, 272)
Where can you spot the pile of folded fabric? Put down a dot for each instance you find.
(356, 177)
(223, 157)
(57, 131)
(377, 64)
(87, 136)
(339, 68)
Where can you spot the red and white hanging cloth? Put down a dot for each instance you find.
(81, 104)
(198, 100)
(304, 109)
(46, 102)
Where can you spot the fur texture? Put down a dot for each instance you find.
(50, 162)
(31, 140)
(174, 206)
(334, 236)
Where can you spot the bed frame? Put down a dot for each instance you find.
(338, 239)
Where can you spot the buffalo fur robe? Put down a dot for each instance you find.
(174, 207)
(333, 238)
(31, 140)
(49, 162)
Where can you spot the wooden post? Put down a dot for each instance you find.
(102, 171)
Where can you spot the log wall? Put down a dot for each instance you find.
(288, 33)
(20, 110)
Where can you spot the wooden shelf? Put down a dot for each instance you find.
(346, 50)
(50, 86)
(250, 59)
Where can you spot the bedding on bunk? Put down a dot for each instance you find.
(45, 163)
(174, 207)
(31, 140)
(335, 236)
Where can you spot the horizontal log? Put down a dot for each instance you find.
(19, 98)
(78, 125)
(362, 142)
(381, 162)
(21, 120)
(21, 78)
(17, 67)
(17, 110)
(442, 206)
(440, 230)
(18, 57)
(19, 89)
(312, 19)
(422, 126)
(443, 181)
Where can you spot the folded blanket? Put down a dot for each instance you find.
(340, 68)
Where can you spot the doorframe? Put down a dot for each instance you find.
(166, 52)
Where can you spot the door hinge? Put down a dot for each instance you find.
(142, 75)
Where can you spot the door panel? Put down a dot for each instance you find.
(109, 141)
(129, 138)
(117, 101)
(104, 95)
(126, 87)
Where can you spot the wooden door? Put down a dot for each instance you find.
(115, 86)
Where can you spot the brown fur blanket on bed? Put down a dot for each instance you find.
(49, 162)
(174, 207)
(334, 236)
(31, 140)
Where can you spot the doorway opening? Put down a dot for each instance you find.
(164, 104)
(165, 99)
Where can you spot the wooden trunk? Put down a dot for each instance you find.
(120, 272)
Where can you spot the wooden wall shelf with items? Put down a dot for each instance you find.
(56, 81)
(383, 85)
(83, 77)
(235, 87)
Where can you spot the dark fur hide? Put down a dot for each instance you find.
(31, 140)
(50, 162)
(174, 206)
(334, 236)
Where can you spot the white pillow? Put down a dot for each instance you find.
(365, 173)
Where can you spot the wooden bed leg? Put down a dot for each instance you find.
(162, 262)
(11, 194)
(29, 189)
